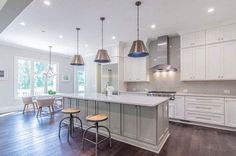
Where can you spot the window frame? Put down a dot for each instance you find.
(32, 81)
(76, 80)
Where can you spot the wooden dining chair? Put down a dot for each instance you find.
(28, 101)
(45, 103)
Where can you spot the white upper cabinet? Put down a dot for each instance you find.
(221, 34)
(230, 109)
(213, 62)
(135, 69)
(193, 63)
(220, 61)
(193, 39)
(229, 62)
(187, 64)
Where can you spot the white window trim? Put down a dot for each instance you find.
(16, 58)
(76, 80)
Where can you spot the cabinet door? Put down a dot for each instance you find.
(179, 107)
(129, 121)
(229, 62)
(193, 39)
(102, 108)
(213, 35)
(213, 62)
(171, 109)
(230, 110)
(139, 69)
(127, 69)
(187, 64)
(228, 32)
(199, 63)
(83, 111)
(187, 40)
(147, 124)
(114, 118)
(200, 38)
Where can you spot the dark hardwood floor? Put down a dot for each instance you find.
(26, 135)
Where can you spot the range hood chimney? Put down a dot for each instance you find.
(163, 63)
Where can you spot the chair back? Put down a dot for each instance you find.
(45, 102)
(27, 100)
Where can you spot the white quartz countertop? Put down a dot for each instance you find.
(188, 94)
(206, 95)
(124, 99)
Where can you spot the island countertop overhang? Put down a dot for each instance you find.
(147, 101)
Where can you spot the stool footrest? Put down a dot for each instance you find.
(95, 142)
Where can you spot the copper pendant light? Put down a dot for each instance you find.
(77, 59)
(102, 54)
(138, 48)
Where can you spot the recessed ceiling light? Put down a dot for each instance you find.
(113, 37)
(210, 10)
(60, 36)
(22, 23)
(86, 45)
(153, 26)
(47, 3)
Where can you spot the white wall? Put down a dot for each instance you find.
(90, 74)
(7, 101)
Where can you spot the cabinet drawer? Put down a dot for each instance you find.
(205, 118)
(205, 107)
(205, 100)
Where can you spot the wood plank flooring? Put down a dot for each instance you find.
(25, 135)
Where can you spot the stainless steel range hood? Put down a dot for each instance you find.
(163, 61)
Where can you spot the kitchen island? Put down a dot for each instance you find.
(141, 121)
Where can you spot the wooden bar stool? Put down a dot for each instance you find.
(71, 118)
(96, 118)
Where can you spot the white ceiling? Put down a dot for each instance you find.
(62, 16)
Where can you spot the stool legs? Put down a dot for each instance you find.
(70, 126)
(97, 142)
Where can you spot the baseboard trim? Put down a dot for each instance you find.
(204, 125)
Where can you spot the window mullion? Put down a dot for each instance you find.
(32, 77)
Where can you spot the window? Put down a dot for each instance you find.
(30, 79)
(80, 79)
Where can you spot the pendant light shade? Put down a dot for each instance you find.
(102, 54)
(138, 48)
(77, 59)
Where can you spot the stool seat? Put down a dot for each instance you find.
(97, 117)
(70, 110)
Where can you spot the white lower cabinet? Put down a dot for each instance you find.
(230, 112)
(176, 108)
(205, 109)
(171, 109)
(179, 107)
(205, 117)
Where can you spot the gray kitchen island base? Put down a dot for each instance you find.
(142, 126)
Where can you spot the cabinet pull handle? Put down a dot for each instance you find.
(203, 107)
(203, 118)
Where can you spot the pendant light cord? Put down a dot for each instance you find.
(77, 40)
(102, 19)
(138, 22)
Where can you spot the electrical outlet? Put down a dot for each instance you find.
(226, 91)
(185, 90)
(134, 89)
